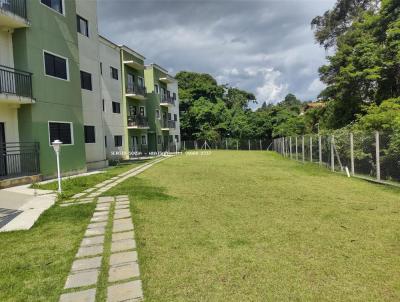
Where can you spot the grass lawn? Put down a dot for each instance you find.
(34, 264)
(251, 226)
(71, 186)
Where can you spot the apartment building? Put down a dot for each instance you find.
(90, 73)
(60, 80)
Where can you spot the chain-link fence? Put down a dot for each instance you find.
(375, 155)
(228, 144)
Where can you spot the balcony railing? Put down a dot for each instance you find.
(16, 82)
(19, 159)
(165, 99)
(17, 7)
(168, 124)
(138, 121)
(136, 89)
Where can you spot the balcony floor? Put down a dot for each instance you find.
(9, 20)
(14, 99)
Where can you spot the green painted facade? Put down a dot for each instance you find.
(56, 99)
(152, 78)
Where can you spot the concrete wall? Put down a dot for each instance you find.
(6, 48)
(89, 60)
(9, 116)
(111, 90)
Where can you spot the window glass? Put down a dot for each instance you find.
(61, 132)
(86, 80)
(118, 141)
(114, 73)
(90, 136)
(54, 4)
(144, 140)
(83, 26)
(157, 113)
(116, 107)
(55, 66)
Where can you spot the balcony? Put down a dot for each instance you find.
(15, 86)
(138, 122)
(136, 92)
(13, 14)
(168, 124)
(167, 79)
(167, 100)
(19, 159)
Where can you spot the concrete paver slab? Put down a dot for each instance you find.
(86, 264)
(123, 245)
(123, 257)
(123, 271)
(129, 291)
(122, 236)
(81, 296)
(89, 250)
(92, 240)
(82, 278)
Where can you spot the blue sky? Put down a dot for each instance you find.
(265, 47)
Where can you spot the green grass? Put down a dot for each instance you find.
(251, 226)
(71, 186)
(34, 264)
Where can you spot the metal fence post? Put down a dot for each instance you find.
(320, 149)
(290, 147)
(377, 155)
(332, 154)
(352, 153)
(310, 148)
(237, 145)
(302, 147)
(283, 146)
(297, 155)
(195, 145)
(260, 145)
(249, 145)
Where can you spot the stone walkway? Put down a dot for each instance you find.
(109, 236)
(90, 194)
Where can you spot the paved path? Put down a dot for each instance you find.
(109, 245)
(21, 206)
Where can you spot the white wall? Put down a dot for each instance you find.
(9, 116)
(111, 90)
(89, 61)
(6, 48)
(173, 87)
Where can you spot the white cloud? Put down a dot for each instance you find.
(316, 86)
(272, 89)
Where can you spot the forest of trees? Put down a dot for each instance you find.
(362, 80)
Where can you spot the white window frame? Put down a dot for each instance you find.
(144, 110)
(57, 55)
(156, 91)
(53, 10)
(158, 114)
(87, 23)
(142, 80)
(61, 122)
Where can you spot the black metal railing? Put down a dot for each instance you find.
(168, 124)
(165, 99)
(138, 121)
(19, 159)
(17, 7)
(17, 82)
(136, 89)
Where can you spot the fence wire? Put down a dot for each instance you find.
(373, 155)
(228, 144)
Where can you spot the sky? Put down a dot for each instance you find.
(265, 47)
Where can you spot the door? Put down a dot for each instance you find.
(134, 144)
(141, 111)
(3, 153)
(130, 83)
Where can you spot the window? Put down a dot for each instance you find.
(101, 68)
(156, 89)
(159, 139)
(174, 96)
(158, 113)
(175, 117)
(171, 138)
(90, 136)
(55, 66)
(104, 105)
(114, 73)
(162, 91)
(144, 140)
(116, 107)
(61, 131)
(169, 116)
(130, 86)
(132, 110)
(83, 26)
(118, 141)
(141, 111)
(105, 141)
(86, 80)
(57, 5)
(177, 138)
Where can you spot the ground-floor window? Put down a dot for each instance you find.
(170, 138)
(61, 131)
(90, 136)
(118, 140)
(177, 138)
(144, 140)
(159, 139)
